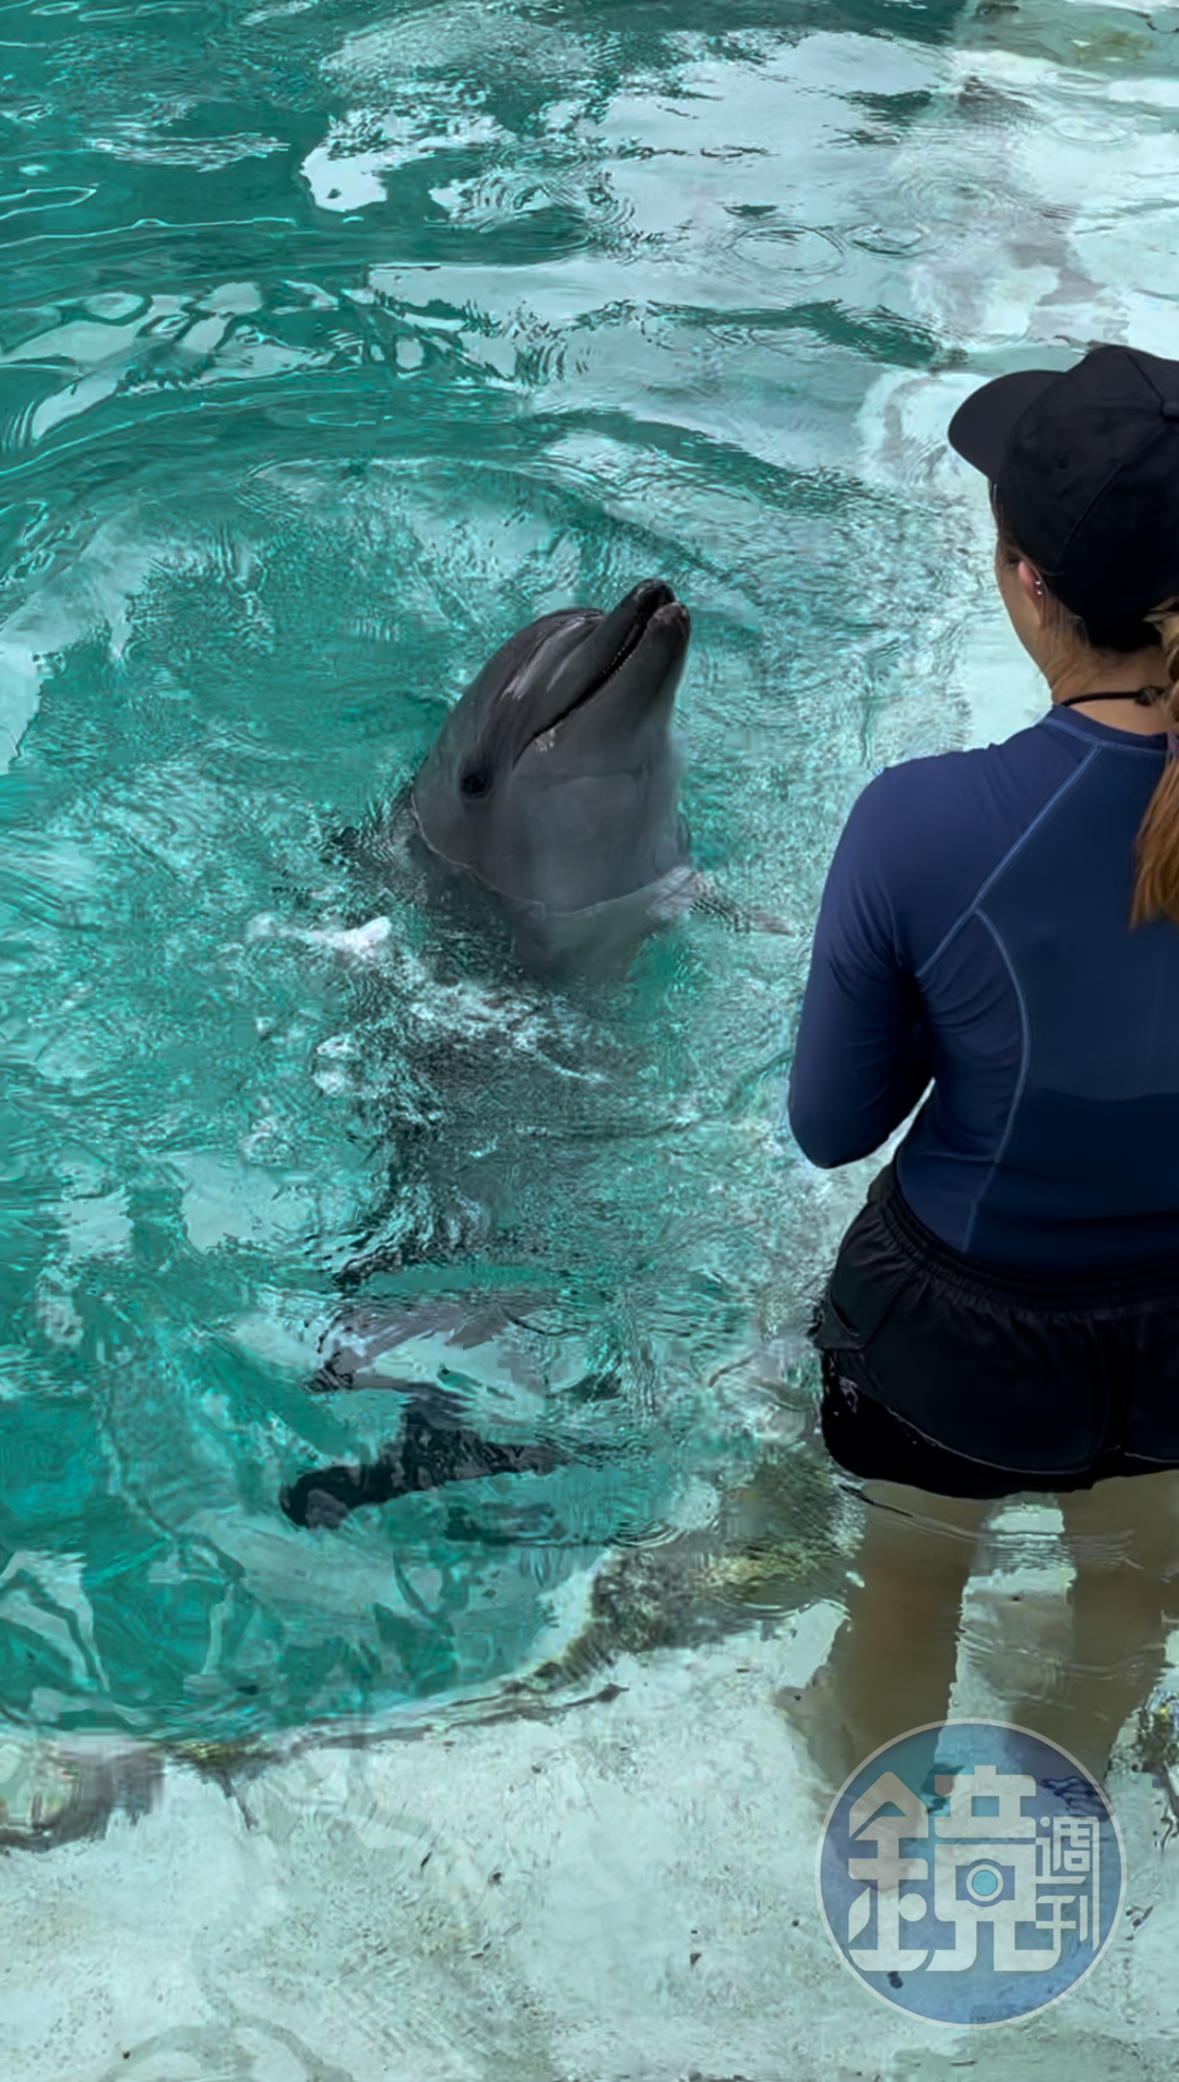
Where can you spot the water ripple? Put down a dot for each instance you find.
(334, 347)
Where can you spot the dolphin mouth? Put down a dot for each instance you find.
(649, 608)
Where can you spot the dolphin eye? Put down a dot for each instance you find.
(475, 783)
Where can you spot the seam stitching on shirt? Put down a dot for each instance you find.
(1056, 721)
(1053, 801)
(1020, 1082)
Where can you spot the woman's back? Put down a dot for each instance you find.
(1003, 1313)
(975, 923)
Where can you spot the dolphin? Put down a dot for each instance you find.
(553, 784)
(552, 790)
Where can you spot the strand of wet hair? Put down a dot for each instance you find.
(1156, 849)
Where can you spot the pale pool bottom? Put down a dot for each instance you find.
(618, 1885)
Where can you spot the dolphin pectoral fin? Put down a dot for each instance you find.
(675, 894)
(741, 918)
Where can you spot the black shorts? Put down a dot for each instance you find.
(974, 1380)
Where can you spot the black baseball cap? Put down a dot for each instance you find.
(1086, 465)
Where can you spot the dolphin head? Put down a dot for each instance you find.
(554, 779)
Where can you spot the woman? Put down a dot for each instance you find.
(1003, 1315)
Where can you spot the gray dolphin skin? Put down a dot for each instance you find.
(554, 781)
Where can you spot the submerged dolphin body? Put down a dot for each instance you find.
(553, 783)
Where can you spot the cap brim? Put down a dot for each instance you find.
(982, 427)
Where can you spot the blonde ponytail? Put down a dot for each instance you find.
(1156, 883)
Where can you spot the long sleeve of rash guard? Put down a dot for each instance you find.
(862, 1060)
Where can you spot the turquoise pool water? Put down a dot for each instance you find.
(336, 343)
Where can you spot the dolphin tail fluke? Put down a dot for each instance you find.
(433, 1449)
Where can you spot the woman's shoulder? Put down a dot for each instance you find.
(949, 818)
(1014, 776)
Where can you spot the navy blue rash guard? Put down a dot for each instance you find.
(975, 929)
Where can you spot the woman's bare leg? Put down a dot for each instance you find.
(1123, 1540)
(893, 1661)
(892, 1664)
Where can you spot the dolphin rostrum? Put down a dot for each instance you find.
(554, 780)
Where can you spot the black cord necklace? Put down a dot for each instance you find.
(1144, 696)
